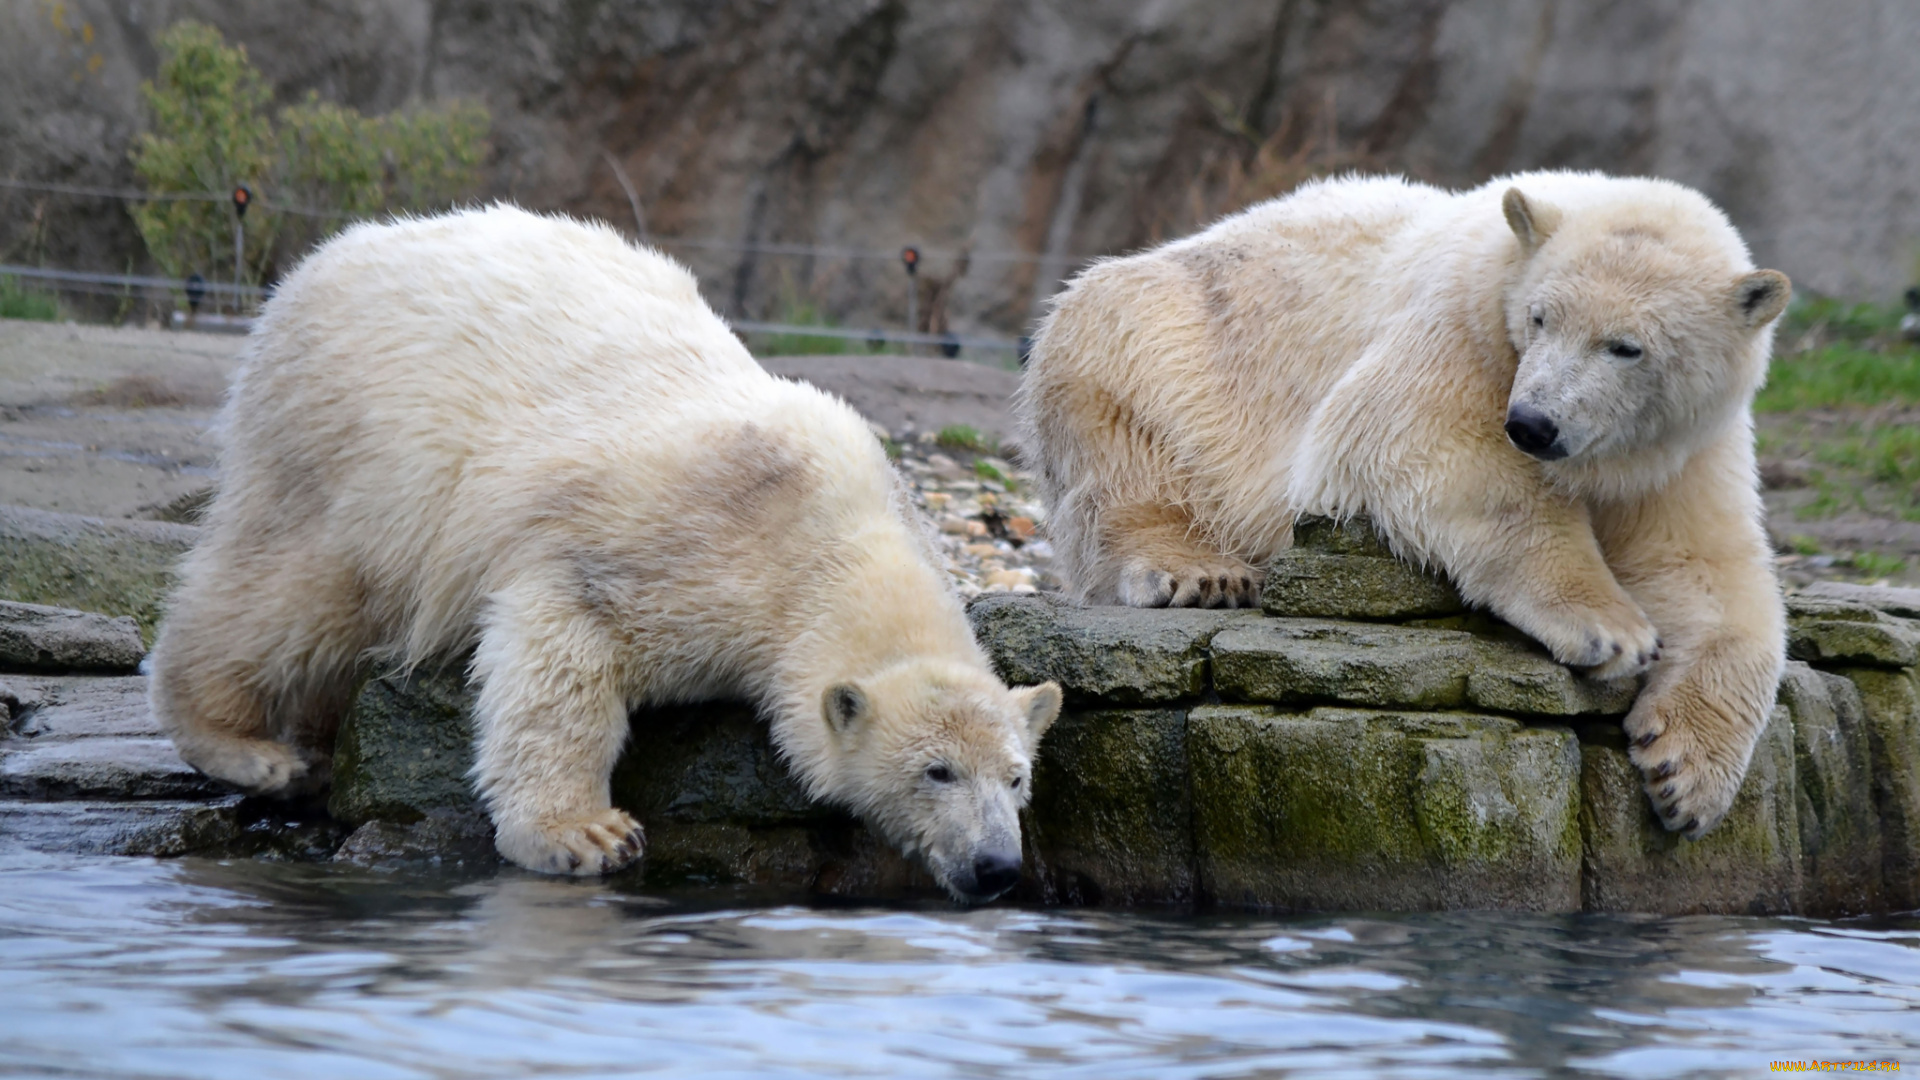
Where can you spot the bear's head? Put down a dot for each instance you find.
(938, 758)
(1640, 324)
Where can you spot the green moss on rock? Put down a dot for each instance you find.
(1749, 863)
(91, 564)
(1350, 809)
(1110, 821)
(1891, 700)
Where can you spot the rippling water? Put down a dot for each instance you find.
(131, 967)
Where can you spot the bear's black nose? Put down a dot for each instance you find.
(995, 873)
(1531, 431)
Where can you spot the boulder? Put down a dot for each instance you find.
(1840, 833)
(34, 637)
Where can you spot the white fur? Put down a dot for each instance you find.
(1357, 346)
(517, 434)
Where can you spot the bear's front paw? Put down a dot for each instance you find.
(256, 766)
(583, 846)
(1617, 645)
(1216, 582)
(1691, 782)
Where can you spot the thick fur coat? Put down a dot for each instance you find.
(519, 435)
(1542, 386)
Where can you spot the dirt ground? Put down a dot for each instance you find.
(113, 422)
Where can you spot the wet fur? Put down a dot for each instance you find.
(518, 435)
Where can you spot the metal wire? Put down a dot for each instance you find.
(697, 243)
(114, 284)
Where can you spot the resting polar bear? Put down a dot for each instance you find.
(518, 434)
(1541, 385)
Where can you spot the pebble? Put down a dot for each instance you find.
(993, 533)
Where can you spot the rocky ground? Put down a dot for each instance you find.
(113, 423)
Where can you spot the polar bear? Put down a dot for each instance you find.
(1542, 385)
(517, 434)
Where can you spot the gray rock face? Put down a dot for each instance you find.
(40, 638)
(1028, 127)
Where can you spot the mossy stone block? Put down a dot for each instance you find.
(1110, 821)
(1748, 864)
(1297, 660)
(91, 564)
(1107, 655)
(405, 749)
(1891, 700)
(1831, 633)
(1343, 809)
(709, 763)
(1515, 677)
(1311, 584)
(1354, 535)
(1840, 842)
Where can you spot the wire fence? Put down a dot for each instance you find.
(155, 288)
(689, 242)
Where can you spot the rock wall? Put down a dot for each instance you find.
(1427, 759)
(1033, 131)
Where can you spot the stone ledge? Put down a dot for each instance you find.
(1100, 654)
(34, 637)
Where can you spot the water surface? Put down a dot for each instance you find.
(194, 968)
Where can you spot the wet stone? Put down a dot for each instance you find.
(1343, 809)
(1840, 840)
(1111, 655)
(35, 637)
(1110, 821)
(1749, 864)
(100, 768)
(111, 827)
(1891, 700)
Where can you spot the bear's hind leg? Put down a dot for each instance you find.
(254, 667)
(1162, 562)
(550, 723)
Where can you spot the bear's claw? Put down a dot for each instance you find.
(599, 844)
(1209, 583)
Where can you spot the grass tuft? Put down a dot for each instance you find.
(962, 437)
(17, 301)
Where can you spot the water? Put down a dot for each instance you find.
(141, 968)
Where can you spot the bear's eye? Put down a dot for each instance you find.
(1014, 783)
(940, 774)
(1539, 315)
(1625, 350)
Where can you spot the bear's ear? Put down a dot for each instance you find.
(1760, 296)
(844, 705)
(1532, 222)
(1042, 706)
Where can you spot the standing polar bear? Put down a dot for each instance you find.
(1542, 385)
(517, 434)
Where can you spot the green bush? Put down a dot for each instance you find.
(313, 169)
(20, 302)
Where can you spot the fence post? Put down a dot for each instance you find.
(910, 255)
(242, 195)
